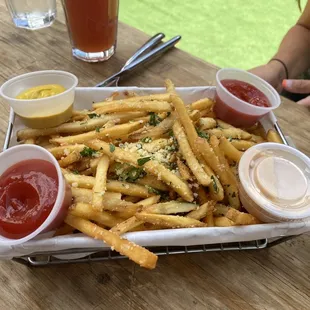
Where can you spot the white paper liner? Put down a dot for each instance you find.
(170, 237)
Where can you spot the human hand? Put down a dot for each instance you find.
(273, 73)
(298, 87)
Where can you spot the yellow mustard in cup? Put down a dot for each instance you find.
(49, 120)
(41, 91)
(41, 99)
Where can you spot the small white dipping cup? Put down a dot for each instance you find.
(227, 104)
(275, 182)
(42, 107)
(20, 153)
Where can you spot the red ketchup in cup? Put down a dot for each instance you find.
(243, 98)
(34, 196)
(28, 192)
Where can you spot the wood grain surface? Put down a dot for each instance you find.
(274, 278)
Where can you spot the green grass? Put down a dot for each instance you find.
(227, 33)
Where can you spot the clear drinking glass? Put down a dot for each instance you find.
(32, 14)
(92, 27)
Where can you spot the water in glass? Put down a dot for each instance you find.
(32, 14)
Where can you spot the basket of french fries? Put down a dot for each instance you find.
(149, 167)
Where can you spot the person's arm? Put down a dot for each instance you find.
(294, 51)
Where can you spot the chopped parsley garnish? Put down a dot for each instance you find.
(216, 189)
(88, 152)
(112, 147)
(134, 174)
(143, 160)
(93, 115)
(203, 134)
(97, 129)
(170, 133)
(229, 139)
(153, 190)
(154, 119)
(75, 171)
(146, 140)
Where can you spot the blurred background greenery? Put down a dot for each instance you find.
(227, 33)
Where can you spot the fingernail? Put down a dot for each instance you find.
(287, 83)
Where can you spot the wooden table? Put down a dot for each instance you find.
(275, 278)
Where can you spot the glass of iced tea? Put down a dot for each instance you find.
(92, 26)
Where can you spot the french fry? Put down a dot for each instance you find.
(223, 221)
(207, 113)
(171, 207)
(195, 115)
(77, 127)
(70, 159)
(228, 179)
(184, 170)
(202, 104)
(257, 139)
(207, 123)
(241, 218)
(30, 141)
(203, 198)
(133, 199)
(242, 145)
(157, 97)
(189, 156)
(202, 211)
(150, 166)
(85, 195)
(229, 150)
(129, 106)
(100, 185)
(232, 133)
(61, 151)
(93, 163)
(149, 201)
(151, 181)
(86, 211)
(169, 221)
(79, 180)
(156, 145)
(87, 172)
(125, 188)
(125, 226)
(215, 186)
(129, 189)
(105, 133)
(273, 136)
(170, 87)
(138, 254)
(222, 124)
(155, 132)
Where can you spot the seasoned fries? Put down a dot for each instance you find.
(108, 134)
(150, 166)
(148, 163)
(169, 221)
(138, 254)
(273, 136)
(100, 185)
(189, 156)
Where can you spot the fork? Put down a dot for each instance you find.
(146, 53)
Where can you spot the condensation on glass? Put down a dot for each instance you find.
(32, 14)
